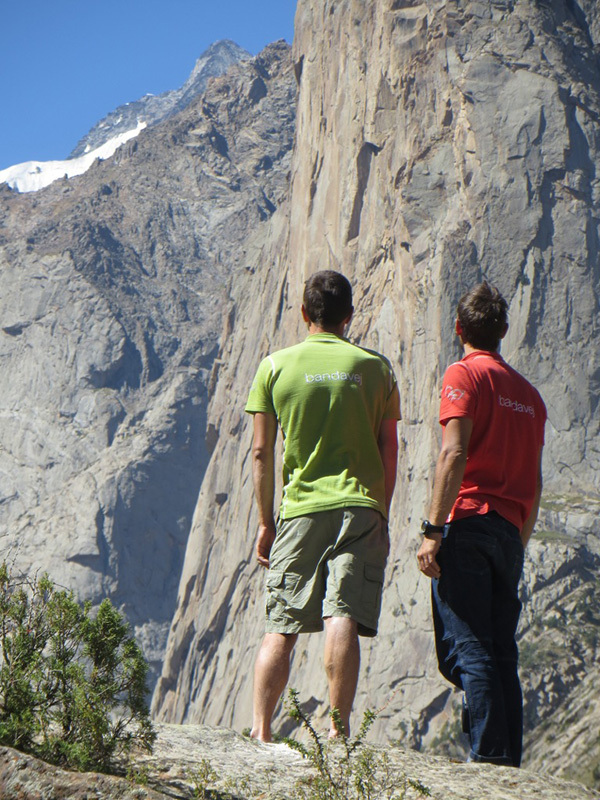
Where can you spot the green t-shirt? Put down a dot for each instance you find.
(330, 398)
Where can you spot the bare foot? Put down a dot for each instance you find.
(261, 736)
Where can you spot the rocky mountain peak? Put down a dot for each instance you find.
(215, 61)
(151, 109)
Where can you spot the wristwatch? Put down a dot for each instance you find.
(428, 527)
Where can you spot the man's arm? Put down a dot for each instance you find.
(387, 442)
(449, 472)
(263, 476)
(527, 529)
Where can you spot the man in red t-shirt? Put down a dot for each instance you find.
(486, 495)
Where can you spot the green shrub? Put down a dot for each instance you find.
(72, 684)
(348, 769)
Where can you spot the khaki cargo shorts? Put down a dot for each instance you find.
(328, 564)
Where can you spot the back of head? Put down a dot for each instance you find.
(482, 314)
(327, 298)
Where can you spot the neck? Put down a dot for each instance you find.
(337, 330)
(470, 349)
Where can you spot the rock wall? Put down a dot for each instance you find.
(437, 143)
(113, 299)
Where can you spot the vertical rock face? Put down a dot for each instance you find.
(113, 298)
(437, 143)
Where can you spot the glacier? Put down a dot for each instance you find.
(31, 176)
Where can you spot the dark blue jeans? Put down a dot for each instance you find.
(476, 610)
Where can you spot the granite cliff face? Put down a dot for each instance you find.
(437, 143)
(114, 295)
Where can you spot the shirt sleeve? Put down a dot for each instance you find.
(459, 394)
(542, 415)
(260, 398)
(392, 406)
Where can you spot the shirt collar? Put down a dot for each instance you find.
(324, 337)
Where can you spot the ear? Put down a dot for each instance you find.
(305, 316)
(458, 328)
(348, 318)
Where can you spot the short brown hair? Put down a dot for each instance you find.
(482, 314)
(327, 298)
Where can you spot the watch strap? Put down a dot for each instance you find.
(429, 527)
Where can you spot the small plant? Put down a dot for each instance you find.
(202, 777)
(208, 785)
(72, 684)
(138, 776)
(347, 769)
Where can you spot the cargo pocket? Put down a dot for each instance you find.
(372, 587)
(274, 584)
(282, 588)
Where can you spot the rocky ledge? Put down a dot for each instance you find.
(195, 761)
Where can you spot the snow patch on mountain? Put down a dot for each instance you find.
(31, 176)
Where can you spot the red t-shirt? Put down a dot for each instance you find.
(508, 430)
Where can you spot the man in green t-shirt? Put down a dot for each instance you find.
(338, 406)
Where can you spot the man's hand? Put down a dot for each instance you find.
(427, 553)
(264, 542)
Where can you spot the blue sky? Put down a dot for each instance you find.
(64, 64)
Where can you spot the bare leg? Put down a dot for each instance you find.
(342, 663)
(271, 673)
